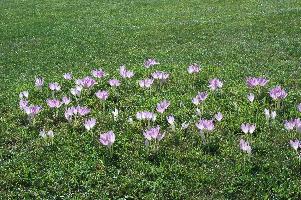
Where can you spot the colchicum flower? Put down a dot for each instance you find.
(98, 73)
(124, 73)
(87, 82)
(218, 116)
(66, 100)
(146, 115)
(277, 93)
(245, 146)
(153, 134)
(39, 82)
(146, 83)
(89, 123)
(254, 82)
(299, 107)
(162, 106)
(102, 95)
(114, 83)
(53, 103)
(54, 86)
(248, 128)
(215, 84)
(269, 114)
(200, 98)
(193, 69)
(24, 94)
(160, 75)
(295, 144)
(251, 97)
(76, 91)
(32, 110)
(150, 62)
(67, 76)
(107, 139)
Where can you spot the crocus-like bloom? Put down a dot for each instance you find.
(114, 83)
(150, 62)
(43, 133)
(54, 86)
(39, 82)
(160, 75)
(50, 134)
(87, 82)
(205, 125)
(193, 69)
(245, 146)
(23, 104)
(76, 91)
(69, 112)
(218, 116)
(299, 107)
(254, 81)
(82, 111)
(53, 103)
(199, 98)
(162, 106)
(146, 83)
(24, 94)
(66, 100)
(68, 76)
(295, 144)
(215, 84)
(153, 133)
(98, 73)
(170, 119)
(291, 124)
(146, 115)
(278, 93)
(115, 114)
(32, 110)
(248, 128)
(251, 97)
(184, 125)
(269, 114)
(107, 139)
(124, 73)
(89, 123)
(102, 94)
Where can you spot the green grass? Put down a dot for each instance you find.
(230, 39)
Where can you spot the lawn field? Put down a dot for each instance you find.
(229, 40)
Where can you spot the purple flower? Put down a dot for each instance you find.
(124, 73)
(98, 73)
(248, 128)
(68, 76)
(184, 125)
(89, 123)
(69, 112)
(102, 95)
(194, 68)
(295, 144)
(87, 82)
(54, 86)
(114, 83)
(199, 98)
(245, 146)
(150, 62)
(269, 114)
(76, 91)
(162, 106)
(24, 94)
(262, 81)
(82, 111)
(205, 125)
(299, 107)
(145, 115)
(170, 119)
(289, 124)
(53, 103)
(251, 97)
(66, 100)
(39, 82)
(277, 93)
(215, 84)
(218, 116)
(253, 81)
(32, 110)
(107, 139)
(23, 104)
(153, 133)
(160, 75)
(146, 83)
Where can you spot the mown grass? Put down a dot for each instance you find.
(230, 39)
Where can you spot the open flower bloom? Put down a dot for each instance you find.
(23, 104)
(89, 123)
(218, 116)
(153, 134)
(200, 98)
(299, 107)
(76, 91)
(98, 73)
(107, 139)
(66, 100)
(292, 124)
(184, 125)
(269, 114)
(162, 106)
(295, 144)
(53, 103)
(160, 75)
(205, 125)
(67, 76)
(150, 62)
(124, 73)
(146, 115)
(54, 86)
(251, 97)
(256, 81)
(102, 95)
(215, 84)
(43, 133)
(114, 83)
(277, 93)
(193, 69)
(39, 82)
(24, 94)
(87, 82)
(248, 128)
(146, 83)
(32, 110)
(170, 119)
(245, 146)
(82, 111)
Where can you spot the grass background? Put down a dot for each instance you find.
(231, 39)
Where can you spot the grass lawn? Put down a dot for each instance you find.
(231, 40)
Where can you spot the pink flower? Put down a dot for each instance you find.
(277, 93)
(54, 86)
(251, 97)
(290, 124)
(199, 98)
(23, 104)
(215, 84)
(295, 144)
(76, 91)
(162, 106)
(102, 95)
(245, 146)
(170, 119)
(146, 115)
(124, 73)
(184, 125)
(82, 111)
(153, 133)
(205, 125)
(32, 110)
(107, 139)
(89, 123)
(193, 69)
(248, 128)
(24, 94)
(66, 100)
(160, 75)
(39, 82)
(146, 83)
(68, 76)
(254, 81)
(53, 103)
(114, 83)
(150, 62)
(299, 107)
(87, 82)
(218, 116)
(98, 73)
